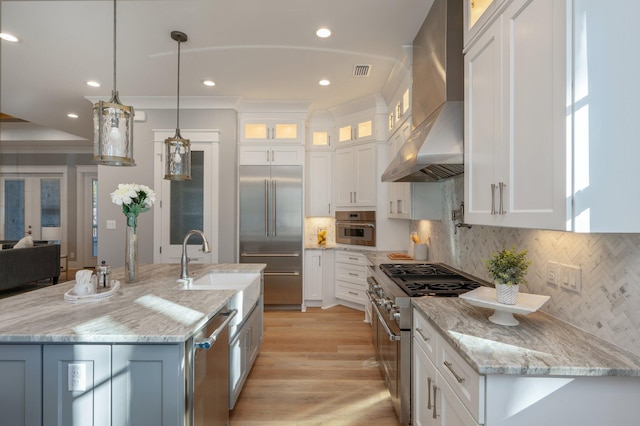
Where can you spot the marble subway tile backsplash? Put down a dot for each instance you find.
(609, 305)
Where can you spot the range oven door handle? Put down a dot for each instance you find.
(392, 336)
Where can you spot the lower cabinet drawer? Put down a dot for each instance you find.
(351, 292)
(353, 273)
(465, 382)
(425, 336)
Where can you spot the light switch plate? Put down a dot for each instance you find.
(111, 224)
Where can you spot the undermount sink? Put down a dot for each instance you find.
(247, 284)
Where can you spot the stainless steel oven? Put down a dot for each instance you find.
(356, 228)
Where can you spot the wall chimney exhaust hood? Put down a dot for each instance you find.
(435, 148)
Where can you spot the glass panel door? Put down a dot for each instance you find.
(29, 203)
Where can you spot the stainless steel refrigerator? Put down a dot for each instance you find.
(271, 230)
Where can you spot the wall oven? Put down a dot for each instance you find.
(356, 228)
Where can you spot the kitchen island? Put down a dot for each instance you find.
(87, 361)
(543, 371)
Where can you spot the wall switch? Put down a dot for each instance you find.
(77, 377)
(111, 224)
(570, 278)
(552, 273)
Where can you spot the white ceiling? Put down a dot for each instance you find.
(252, 49)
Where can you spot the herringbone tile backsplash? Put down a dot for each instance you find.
(609, 305)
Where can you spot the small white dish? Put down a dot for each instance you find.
(485, 297)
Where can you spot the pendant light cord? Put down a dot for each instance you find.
(115, 87)
(178, 97)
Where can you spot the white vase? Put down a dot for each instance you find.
(507, 294)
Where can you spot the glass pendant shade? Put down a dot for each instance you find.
(113, 133)
(177, 151)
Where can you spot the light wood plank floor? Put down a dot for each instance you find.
(315, 368)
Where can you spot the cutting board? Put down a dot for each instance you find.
(399, 256)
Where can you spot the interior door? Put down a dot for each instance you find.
(186, 205)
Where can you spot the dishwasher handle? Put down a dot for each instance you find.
(207, 342)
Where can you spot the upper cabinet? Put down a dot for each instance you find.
(355, 182)
(272, 155)
(278, 131)
(549, 107)
(358, 130)
(477, 13)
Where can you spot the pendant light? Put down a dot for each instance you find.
(113, 124)
(177, 149)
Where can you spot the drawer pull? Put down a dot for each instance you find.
(353, 274)
(428, 393)
(354, 293)
(450, 367)
(435, 391)
(425, 338)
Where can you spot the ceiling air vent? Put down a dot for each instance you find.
(361, 70)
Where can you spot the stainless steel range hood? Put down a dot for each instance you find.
(435, 148)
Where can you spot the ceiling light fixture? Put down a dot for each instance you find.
(177, 149)
(8, 37)
(92, 83)
(72, 115)
(323, 32)
(324, 82)
(113, 124)
(209, 83)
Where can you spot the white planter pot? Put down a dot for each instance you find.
(507, 294)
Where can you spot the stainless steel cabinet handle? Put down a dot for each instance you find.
(355, 197)
(390, 206)
(493, 198)
(266, 207)
(353, 258)
(208, 342)
(353, 275)
(502, 185)
(425, 338)
(429, 393)
(329, 210)
(353, 292)
(282, 274)
(267, 152)
(456, 375)
(435, 391)
(274, 197)
(269, 254)
(399, 206)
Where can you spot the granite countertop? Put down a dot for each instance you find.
(539, 345)
(380, 257)
(152, 310)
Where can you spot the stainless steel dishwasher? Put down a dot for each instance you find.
(207, 378)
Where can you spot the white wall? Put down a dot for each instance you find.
(111, 242)
(609, 305)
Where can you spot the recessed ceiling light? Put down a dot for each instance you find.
(8, 37)
(324, 82)
(323, 32)
(93, 83)
(72, 115)
(209, 83)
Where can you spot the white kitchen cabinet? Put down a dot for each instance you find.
(21, 384)
(313, 278)
(76, 385)
(319, 183)
(550, 84)
(351, 277)
(243, 350)
(356, 131)
(148, 385)
(399, 192)
(277, 130)
(445, 389)
(515, 140)
(355, 176)
(275, 155)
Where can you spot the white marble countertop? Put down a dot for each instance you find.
(540, 345)
(151, 310)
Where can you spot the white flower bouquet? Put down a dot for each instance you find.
(134, 200)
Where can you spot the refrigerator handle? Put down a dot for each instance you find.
(275, 208)
(266, 207)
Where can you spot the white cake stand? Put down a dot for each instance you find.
(485, 297)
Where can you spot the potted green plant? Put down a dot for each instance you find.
(508, 268)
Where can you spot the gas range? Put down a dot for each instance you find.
(429, 279)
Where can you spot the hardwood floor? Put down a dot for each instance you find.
(315, 368)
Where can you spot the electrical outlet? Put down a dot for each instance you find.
(552, 273)
(111, 224)
(77, 377)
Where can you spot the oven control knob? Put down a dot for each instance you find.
(396, 315)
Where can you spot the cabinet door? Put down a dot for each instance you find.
(366, 175)
(287, 155)
(254, 155)
(423, 382)
(482, 126)
(270, 131)
(313, 276)
(477, 14)
(76, 385)
(449, 409)
(148, 385)
(399, 192)
(21, 384)
(534, 114)
(318, 196)
(344, 177)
